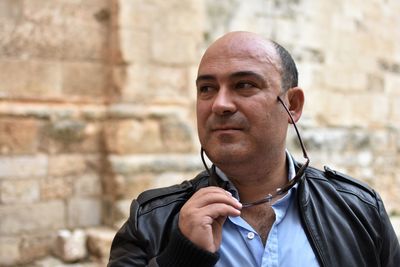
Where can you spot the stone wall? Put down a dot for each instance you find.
(55, 79)
(97, 104)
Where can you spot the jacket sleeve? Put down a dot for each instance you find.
(129, 248)
(390, 250)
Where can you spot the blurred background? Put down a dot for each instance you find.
(97, 103)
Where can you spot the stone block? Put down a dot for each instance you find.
(85, 79)
(54, 262)
(134, 14)
(21, 251)
(99, 241)
(23, 166)
(132, 136)
(391, 83)
(88, 184)
(77, 45)
(21, 78)
(71, 136)
(35, 246)
(132, 82)
(137, 53)
(171, 178)
(394, 118)
(41, 216)
(84, 212)
(19, 136)
(10, 10)
(63, 27)
(65, 12)
(56, 187)
(9, 250)
(183, 17)
(24, 39)
(168, 83)
(159, 163)
(169, 47)
(176, 135)
(65, 164)
(371, 109)
(19, 191)
(136, 184)
(70, 246)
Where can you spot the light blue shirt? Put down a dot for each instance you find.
(287, 244)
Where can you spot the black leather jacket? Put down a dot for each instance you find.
(345, 221)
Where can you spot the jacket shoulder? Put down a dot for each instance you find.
(153, 198)
(345, 184)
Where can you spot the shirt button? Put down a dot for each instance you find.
(250, 235)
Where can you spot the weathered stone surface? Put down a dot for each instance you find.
(66, 164)
(19, 191)
(41, 216)
(85, 79)
(84, 212)
(70, 246)
(132, 136)
(56, 187)
(71, 136)
(167, 83)
(122, 207)
(19, 136)
(139, 53)
(35, 246)
(58, 111)
(23, 166)
(171, 178)
(30, 79)
(88, 185)
(54, 262)
(176, 135)
(99, 241)
(154, 163)
(170, 51)
(9, 250)
(135, 14)
(58, 30)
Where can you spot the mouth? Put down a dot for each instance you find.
(226, 129)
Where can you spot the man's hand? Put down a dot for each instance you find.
(202, 216)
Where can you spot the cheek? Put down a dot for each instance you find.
(202, 115)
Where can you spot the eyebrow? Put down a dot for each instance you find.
(238, 74)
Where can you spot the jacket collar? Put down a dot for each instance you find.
(215, 180)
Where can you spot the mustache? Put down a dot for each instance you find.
(234, 121)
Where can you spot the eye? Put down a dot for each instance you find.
(204, 89)
(245, 85)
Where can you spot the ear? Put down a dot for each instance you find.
(295, 97)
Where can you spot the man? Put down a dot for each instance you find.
(256, 206)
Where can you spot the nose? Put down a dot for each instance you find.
(223, 102)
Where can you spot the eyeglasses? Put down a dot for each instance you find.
(292, 182)
(295, 179)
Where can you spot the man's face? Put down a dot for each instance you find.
(238, 116)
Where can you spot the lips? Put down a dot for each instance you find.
(225, 128)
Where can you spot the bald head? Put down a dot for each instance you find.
(254, 46)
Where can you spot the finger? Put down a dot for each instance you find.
(217, 210)
(214, 195)
(209, 190)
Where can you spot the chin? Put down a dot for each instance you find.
(227, 154)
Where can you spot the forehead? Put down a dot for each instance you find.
(240, 53)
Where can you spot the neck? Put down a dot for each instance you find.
(255, 182)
